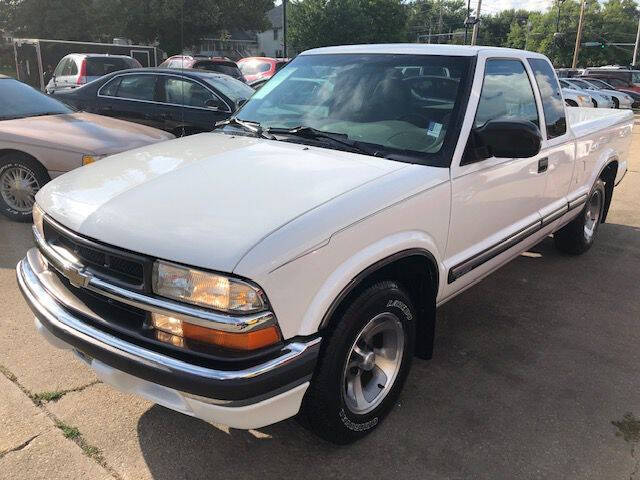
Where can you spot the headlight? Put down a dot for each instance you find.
(205, 289)
(38, 217)
(87, 159)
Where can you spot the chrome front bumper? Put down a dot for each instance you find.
(292, 367)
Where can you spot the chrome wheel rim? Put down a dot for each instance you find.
(373, 363)
(18, 187)
(592, 215)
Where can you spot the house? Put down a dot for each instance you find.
(271, 42)
(5, 37)
(234, 44)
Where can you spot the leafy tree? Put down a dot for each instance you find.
(317, 23)
(175, 24)
(436, 16)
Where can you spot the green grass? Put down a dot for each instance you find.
(68, 431)
(40, 398)
(10, 71)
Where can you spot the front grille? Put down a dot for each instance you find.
(120, 267)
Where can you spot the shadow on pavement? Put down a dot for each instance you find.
(531, 366)
(15, 240)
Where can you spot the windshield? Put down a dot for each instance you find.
(254, 67)
(600, 84)
(231, 88)
(19, 100)
(581, 84)
(231, 70)
(391, 101)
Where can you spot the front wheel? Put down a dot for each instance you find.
(578, 235)
(363, 365)
(20, 179)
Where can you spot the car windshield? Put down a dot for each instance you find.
(231, 88)
(394, 102)
(254, 67)
(18, 100)
(581, 84)
(227, 69)
(600, 84)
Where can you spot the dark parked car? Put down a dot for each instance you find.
(181, 102)
(211, 64)
(617, 84)
(618, 77)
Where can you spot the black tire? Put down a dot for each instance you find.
(574, 238)
(324, 409)
(571, 103)
(616, 102)
(10, 161)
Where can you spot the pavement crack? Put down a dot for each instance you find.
(55, 395)
(19, 447)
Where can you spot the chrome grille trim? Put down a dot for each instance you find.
(71, 267)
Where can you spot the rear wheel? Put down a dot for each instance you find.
(363, 365)
(21, 177)
(616, 102)
(577, 236)
(571, 103)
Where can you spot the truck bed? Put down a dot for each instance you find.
(584, 121)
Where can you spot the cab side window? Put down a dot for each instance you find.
(552, 103)
(506, 93)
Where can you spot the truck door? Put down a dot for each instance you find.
(495, 202)
(557, 148)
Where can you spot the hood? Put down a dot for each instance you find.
(203, 200)
(84, 133)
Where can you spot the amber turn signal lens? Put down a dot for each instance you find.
(236, 341)
(246, 341)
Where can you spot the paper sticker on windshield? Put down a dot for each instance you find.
(434, 129)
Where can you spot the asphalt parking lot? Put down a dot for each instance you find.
(535, 375)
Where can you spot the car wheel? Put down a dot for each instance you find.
(363, 364)
(571, 103)
(21, 176)
(578, 235)
(616, 102)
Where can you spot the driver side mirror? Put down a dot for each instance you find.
(503, 139)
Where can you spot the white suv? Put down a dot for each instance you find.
(77, 69)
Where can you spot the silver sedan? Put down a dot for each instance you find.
(41, 138)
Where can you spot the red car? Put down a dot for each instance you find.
(212, 64)
(257, 70)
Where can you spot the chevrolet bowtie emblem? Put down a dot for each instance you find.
(77, 277)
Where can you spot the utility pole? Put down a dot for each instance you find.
(474, 35)
(284, 28)
(440, 20)
(578, 36)
(635, 49)
(466, 21)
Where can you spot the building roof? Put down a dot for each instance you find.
(276, 17)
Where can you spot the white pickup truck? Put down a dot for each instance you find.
(291, 261)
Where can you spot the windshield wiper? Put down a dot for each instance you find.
(252, 127)
(337, 138)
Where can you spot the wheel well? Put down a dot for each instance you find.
(608, 176)
(417, 273)
(571, 103)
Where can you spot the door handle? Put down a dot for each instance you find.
(543, 164)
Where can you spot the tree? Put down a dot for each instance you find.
(175, 24)
(318, 23)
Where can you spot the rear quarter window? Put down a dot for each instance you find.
(552, 104)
